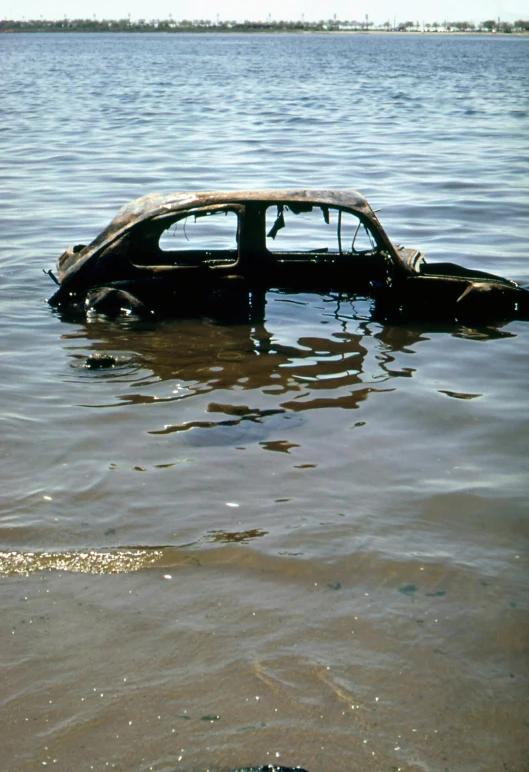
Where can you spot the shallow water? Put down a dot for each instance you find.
(301, 542)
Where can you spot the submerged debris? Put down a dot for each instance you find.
(100, 362)
(268, 768)
(195, 254)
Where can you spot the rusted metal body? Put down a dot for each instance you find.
(250, 241)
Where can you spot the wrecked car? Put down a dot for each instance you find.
(189, 254)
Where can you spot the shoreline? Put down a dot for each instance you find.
(260, 31)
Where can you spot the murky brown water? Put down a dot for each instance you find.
(324, 569)
(302, 542)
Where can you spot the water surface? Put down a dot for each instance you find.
(303, 541)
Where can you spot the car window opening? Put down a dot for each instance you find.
(329, 230)
(208, 231)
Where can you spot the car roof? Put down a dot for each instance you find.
(156, 204)
(149, 205)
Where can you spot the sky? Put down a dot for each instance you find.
(379, 11)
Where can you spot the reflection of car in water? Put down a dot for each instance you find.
(241, 384)
(191, 254)
(327, 368)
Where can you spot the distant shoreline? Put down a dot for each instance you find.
(246, 31)
(169, 26)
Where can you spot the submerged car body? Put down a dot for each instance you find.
(200, 253)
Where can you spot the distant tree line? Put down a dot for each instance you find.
(205, 25)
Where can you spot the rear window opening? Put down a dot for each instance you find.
(316, 229)
(209, 231)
